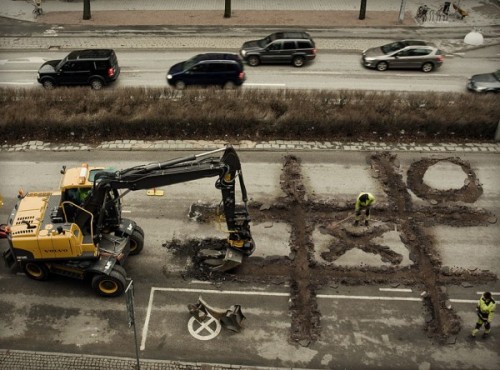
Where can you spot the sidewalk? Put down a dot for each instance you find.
(199, 24)
(311, 13)
(339, 16)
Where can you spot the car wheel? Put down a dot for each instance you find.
(254, 61)
(36, 271)
(180, 85)
(427, 67)
(48, 84)
(96, 84)
(229, 85)
(382, 66)
(298, 61)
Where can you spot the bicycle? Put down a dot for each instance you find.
(421, 16)
(38, 8)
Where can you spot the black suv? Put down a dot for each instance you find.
(222, 69)
(280, 47)
(94, 67)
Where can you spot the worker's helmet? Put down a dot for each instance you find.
(487, 295)
(363, 197)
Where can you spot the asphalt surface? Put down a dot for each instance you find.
(20, 32)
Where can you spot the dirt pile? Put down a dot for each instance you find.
(305, 214)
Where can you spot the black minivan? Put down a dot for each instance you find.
(94, 67)
(219, 69)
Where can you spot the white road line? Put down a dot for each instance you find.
(235, 292)
(17, 83)
(367, 297)
(146, 323)
(19, 70)
(257, 84)
(275, 294)
(402, 290)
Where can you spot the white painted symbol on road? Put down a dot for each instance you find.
(205, 330)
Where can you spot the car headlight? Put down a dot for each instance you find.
(243, 52)
(169, 77)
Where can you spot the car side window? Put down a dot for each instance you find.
(404, 53)
(82, 66)
(289, 45)
(421, 52)
(303, 45)
(101, 64)
(275, 46)
(200, 68)
(68, 66)
(219, 67)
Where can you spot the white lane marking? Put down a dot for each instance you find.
(367, 297)
(17, 83)
(124, 211)
(272, 294)
(402, 290)
(37, 60)
(19, 70)
(258, 84)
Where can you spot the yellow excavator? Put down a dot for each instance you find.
(78, 231)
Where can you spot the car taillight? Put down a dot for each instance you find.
(314, 51)
(111, 72)
(440, 58)
(241, 76)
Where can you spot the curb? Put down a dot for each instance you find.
(273, 145)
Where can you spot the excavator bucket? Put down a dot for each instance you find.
(231, 318)
(220, 261)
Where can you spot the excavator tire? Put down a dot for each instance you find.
(139, 229)
(112, 285)
(121, 270)
(136, 242)
(36, 271)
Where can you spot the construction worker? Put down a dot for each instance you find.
(363, 202)
(485, 309)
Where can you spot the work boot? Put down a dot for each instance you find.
(367, 223)
(356, 223)
(474, 333)
(486, 335)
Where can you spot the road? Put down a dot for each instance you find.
(362, 325)
(329, 71)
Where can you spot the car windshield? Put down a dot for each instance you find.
(61, 63)
(264, 42)
(395, 46)
(190, 62)
(497, 75)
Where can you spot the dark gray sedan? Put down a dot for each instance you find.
(486, 82)
(404, 54)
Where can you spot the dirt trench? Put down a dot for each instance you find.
(304, 214)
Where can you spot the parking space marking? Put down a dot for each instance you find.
(273, 294)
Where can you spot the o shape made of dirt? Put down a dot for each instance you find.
(468, 193)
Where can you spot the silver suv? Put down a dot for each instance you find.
(290, 47)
